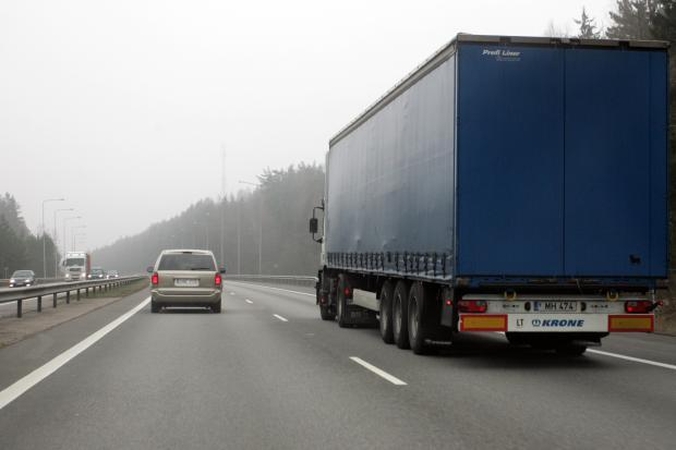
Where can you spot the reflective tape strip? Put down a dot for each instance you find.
(632, 323)
(483, 322)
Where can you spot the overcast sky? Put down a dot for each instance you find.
(123, 107)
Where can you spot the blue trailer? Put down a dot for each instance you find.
(508, 184)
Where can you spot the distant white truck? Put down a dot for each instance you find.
(76, 266)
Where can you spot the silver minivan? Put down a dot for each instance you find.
(183, 277)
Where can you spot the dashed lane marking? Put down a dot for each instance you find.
(381, 373)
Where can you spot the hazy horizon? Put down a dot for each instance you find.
(124, 108)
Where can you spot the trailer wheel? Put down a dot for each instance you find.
(400, 315)
(342, 314)
(418, 320)
(386, 312)
(570, 349)
(516, 338)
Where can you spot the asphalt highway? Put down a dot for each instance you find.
(268, 373)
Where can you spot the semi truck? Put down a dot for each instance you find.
(76, 266)
(508, 184)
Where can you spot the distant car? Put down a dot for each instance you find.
(112, 274)
(97, 273)
(22, 278)
(186, 278)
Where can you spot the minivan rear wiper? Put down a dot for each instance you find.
(201, 268)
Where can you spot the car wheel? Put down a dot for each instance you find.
(154, 307)
(216, 307)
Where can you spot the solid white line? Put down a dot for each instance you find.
(381, 373)
(286, 290)
(626, 358)
(17, 389)
(249, 301)
(631, 358)
(280, 318)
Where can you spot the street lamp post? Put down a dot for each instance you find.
(239, 239)
(56, 256)
(260, 224)
(73, 234)
(44, 244)
(65, 221)
(206, 230)
(76, 236)
(194, 234)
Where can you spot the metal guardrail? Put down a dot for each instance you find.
(19, 295)
(278, 279)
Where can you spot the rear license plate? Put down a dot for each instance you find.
(557, 306)
(186, 282)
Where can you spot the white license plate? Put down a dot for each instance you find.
(186, 282)
(557, 306)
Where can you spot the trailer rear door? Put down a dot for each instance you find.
(615, 163)
(510, 160)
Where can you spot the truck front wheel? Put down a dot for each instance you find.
(326, 312)
(400, 315)
(342, 314)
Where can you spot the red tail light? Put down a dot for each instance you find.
(348, 292)
(218, 280)
(155, 279)
(638, 307)
(472, 306)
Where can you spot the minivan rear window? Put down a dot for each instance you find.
(185, 261)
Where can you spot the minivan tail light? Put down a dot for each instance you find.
(472, 306)
(218, 280)
(155, 279)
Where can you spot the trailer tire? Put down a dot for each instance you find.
(342, 314)
(400, 315)
(385, 309)
(418, 318)
(516, 338)
(571, 349)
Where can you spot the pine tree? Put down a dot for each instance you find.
(633, 19)
(12, 250)
(588, 29)
(664, 28)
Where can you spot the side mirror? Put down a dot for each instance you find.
(314, 225)
(222, 270)
(149, 269)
